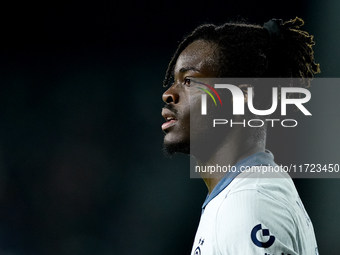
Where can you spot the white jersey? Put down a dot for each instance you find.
(249, 214)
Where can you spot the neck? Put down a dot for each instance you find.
(234, 148)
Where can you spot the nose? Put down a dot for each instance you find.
(171, 95)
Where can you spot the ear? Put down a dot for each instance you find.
(244, 88)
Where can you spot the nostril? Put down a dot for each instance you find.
(169, 99)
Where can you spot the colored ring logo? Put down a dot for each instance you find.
(212, 89)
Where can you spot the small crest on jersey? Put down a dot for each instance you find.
(198, 249)
(265, 235)
(201, 241)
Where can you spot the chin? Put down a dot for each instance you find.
(178, 146)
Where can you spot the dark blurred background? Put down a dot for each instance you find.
(81, 163)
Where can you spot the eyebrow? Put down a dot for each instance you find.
(185, 69)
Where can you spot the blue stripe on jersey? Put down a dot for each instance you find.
(260, 158)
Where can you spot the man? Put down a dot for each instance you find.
(243, 213)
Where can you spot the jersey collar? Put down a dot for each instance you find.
(260, 158)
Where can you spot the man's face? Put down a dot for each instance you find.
(196, 61)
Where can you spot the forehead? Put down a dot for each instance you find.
(199, 55)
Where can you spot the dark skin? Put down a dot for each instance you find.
(198, 60)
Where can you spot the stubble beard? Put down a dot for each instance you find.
(170, 149)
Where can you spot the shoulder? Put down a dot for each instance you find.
(259, 198)
(251, 205)
(278, 186)
(262, 194)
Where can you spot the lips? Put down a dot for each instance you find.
(170, 117)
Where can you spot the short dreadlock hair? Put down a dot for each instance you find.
(246, 50)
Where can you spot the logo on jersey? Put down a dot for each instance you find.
(265, 232)
(198, 249)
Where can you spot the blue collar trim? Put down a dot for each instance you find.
(260, 158)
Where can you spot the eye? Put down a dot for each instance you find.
(187, 81)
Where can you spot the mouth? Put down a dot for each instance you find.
(170, 119)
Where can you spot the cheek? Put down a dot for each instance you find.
(197, 110)
(201, 126)
(199, 123)
(195, 100)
